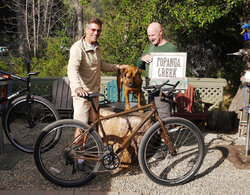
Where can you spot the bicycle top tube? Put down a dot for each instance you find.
(24, 79)
(18, 77)
(154, 92)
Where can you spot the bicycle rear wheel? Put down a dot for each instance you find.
(22, 125)
(59, 163)
(163, 166)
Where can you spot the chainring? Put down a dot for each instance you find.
(111, 161)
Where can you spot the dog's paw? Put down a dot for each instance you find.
(127, 108)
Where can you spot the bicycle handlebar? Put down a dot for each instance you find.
(157, 88)
(173, 88)
(91, 95)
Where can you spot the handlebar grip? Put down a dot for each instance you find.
(91, 95)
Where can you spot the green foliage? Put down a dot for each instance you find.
(198, 13)
(90, 9)
(233, 69)
(17, 64)
(124, 35)
(206, 29)
(124, 32)
(52, 64)
(4, 66)
(55, 59)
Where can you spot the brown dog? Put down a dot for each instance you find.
(130, 77)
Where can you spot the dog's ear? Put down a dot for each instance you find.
(123, 71)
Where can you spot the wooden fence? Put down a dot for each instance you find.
(210, 90)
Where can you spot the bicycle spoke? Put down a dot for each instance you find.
(23, 126)
(167, 168)
(60, 163)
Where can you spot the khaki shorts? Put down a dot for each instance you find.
(83, 109)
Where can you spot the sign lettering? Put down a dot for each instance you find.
(168, 66)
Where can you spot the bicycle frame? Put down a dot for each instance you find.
(135, 130)
(26, 79)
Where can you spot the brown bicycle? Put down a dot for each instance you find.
(177, 142)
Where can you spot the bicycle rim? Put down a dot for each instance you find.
(160, 164)
(58, 164)
(23, 126)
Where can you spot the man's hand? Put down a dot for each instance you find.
(147, 58)
(123, 66)
(81, 92)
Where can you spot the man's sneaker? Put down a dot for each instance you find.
(158, 155)
(83, 167)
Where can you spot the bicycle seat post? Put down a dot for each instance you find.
(93, 105)
(28, 82)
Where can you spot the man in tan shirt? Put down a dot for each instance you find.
(84, 73)
(84, 70)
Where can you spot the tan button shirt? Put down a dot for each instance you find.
(85, 66)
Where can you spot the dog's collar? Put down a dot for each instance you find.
(133, 88)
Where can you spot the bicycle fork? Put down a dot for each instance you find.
(165, 136)
(30, 119)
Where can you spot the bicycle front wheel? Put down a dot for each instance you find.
(23, 121)
(60, 163)
(171, 167)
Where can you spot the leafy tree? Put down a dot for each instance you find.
(36, 26)
(55, 59)
(209, 30)
(206, 29)
(52, 64)
(124, 32)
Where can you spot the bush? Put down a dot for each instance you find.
(54, 62)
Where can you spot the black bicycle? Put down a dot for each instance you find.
(26, 116)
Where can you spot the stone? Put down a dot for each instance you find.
(118, 129)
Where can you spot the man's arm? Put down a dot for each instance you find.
(106, 67)
(73, 70)
(145, 58)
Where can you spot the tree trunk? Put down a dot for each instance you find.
(34, 27)
(79, 13)
(22, 47)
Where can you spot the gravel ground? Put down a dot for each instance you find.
(216, 176)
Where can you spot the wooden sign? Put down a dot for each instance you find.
(168, 66)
